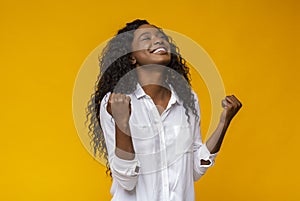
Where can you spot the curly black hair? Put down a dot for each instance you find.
(115, 63)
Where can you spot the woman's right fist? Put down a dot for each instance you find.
(119, 108)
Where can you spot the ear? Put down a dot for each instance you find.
(132, 59)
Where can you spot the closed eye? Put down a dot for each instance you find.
(146, 38)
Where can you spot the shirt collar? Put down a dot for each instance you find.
(139, 93)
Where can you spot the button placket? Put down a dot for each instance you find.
(158, 125)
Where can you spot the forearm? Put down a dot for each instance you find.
(124, 166)
(215, 141)
(231, 106)
(124, 146)
(117, 106)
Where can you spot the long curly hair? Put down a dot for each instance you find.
(115, 63)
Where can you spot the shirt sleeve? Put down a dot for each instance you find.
(199, 149)
(125, 172)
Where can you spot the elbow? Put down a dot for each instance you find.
(128, 187)
(127, 182)
(125, 172)
(197, 174)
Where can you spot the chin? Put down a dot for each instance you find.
(163, 62)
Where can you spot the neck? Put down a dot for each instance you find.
(156, 92)
(159, 95)
(151, 79)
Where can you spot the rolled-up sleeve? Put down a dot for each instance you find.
(125, 172)
(202, 153)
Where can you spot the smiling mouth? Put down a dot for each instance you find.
(160, 50)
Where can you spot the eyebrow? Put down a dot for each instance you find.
(157, 32)
(144, 34)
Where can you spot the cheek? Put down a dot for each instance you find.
(136, 46)
(141, 56)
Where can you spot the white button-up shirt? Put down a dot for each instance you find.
(168, 150)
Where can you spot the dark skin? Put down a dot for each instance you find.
(147, 38)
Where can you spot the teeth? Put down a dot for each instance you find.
(159, 50)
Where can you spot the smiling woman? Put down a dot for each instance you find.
(150, 46)
(145, 118)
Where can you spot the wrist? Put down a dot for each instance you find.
(122, 123)
(123, 127)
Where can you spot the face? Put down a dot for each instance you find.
(150, 46)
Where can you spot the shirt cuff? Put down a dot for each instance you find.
(126, 167)
(207, 156)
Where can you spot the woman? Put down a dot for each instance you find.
(145, 118)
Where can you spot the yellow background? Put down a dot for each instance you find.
(255, 45)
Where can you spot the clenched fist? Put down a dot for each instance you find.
(231, 106)
(120, 108)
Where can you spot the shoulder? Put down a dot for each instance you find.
(104, 103)
(196, 101)
(195, 96)
(105, 99)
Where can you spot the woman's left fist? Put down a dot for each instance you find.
(231, 106)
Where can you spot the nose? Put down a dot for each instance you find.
(157, 41)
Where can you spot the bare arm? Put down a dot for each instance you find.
(119, 107)
(231, 106)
